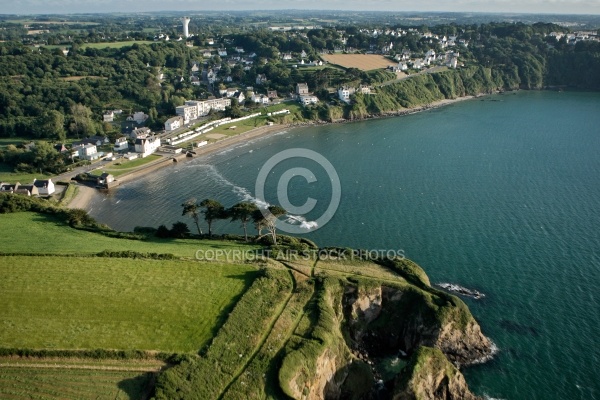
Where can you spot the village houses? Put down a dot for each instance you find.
(147, 146)
(173, 123)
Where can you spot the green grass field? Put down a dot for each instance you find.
(246, 125)
(122, 166)
(7, 174)
(114, 45)
(114, 303)
(66, 383)
(44, 234)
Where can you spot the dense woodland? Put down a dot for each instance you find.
(46, 94)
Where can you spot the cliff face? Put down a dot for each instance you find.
(324, 382)
(464, 346)
(358, 323)
(387, 320)
(430, 376)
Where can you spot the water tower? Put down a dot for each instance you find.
(186, 22)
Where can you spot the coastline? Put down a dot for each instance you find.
(82, 198)
(85, 194)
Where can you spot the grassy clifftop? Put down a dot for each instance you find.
(234, 329)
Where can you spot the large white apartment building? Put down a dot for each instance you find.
(204, 106)
(188, 112)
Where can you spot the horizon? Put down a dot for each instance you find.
(71, 7)
(197, 12)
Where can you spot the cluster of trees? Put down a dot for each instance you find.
(42, 157)
(244, 212)
(45, 94)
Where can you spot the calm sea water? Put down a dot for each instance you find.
(501, 195)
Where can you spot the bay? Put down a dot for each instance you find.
(500, 194)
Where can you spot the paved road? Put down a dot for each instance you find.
(67, 176)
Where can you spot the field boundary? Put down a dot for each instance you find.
(77, 366)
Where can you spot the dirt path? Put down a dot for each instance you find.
(264, 338)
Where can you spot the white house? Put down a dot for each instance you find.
(147, 146)
(173, 123)
(345, 92)
(45, 186)
(121, 144)
(260, 98)
(109, 116)
(239, 96)
(139, 117)
(309, 99)
(417, 64)
(88, 152)
(222, 52)
(131, 156)
(140, 133)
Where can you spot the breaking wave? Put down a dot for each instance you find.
(245, 195)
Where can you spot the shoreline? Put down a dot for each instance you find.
(85, 194)
(82, 198)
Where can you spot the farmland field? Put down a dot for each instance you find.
(115, 303)
(23, 382)
(365, 62)
(26, 232)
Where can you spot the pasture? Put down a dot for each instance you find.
(8, 175)
(26, 232)
(58, 302)
(365, 62)
(18, 381)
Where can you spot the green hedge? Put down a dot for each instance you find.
(96, 354)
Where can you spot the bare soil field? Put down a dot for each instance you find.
(365, 62)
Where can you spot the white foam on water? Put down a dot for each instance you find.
(487, 397)
(245, 195)
(494, 350)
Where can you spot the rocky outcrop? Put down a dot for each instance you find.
(466, 345)
(386, 320)
(324, 382)
(430, 376)
(361, 321)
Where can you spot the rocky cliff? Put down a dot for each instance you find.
(363, 321)
(430, 376)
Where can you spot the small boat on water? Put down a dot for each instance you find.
(454, 288)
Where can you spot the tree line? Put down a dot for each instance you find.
(212, 210)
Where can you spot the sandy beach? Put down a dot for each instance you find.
(83, 197)
(85, 193)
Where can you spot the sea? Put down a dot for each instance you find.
(499, 194)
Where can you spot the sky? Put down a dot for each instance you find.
(94, 6)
